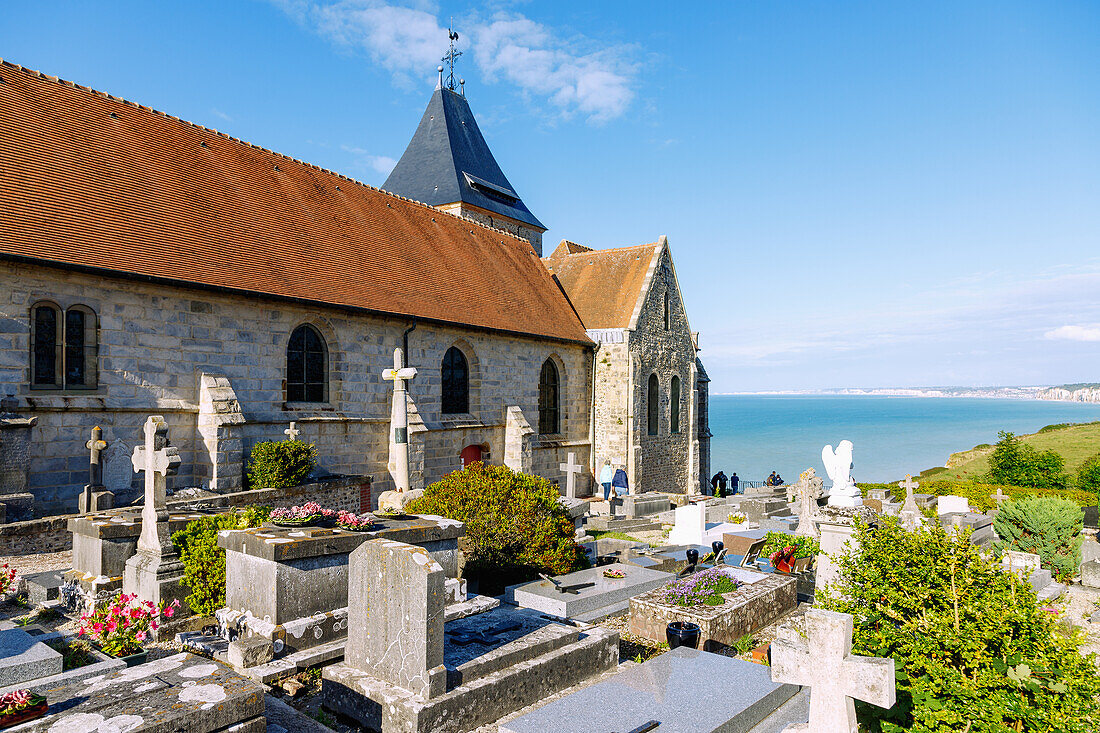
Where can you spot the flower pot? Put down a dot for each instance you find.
(34, 711)
(682, 633)
(132, 660)
(311, 522)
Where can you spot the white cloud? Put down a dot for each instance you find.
(218, 113)
(381, 163)
(575, 74)
(1074, 333)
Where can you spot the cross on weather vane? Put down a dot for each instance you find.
(452, 54)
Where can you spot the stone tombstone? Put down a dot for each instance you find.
(835, 676)
(16, 502)
(1090, 573)
(910, 515)
(1022, 564)
(118, 469)
(395, 616)
(398, 465)
(691, 525)
(808, 490)
(571, 469)
(950, 504)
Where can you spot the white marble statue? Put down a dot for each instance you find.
(838, 464)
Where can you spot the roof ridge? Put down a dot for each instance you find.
(592, 251)
(58, 80)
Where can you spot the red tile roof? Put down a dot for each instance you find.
(93, 181)
(603, 284)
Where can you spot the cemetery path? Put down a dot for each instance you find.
(37, 563)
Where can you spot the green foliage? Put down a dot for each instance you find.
(204, 561)
(1088, 476)
(973, 651)
(1018, 463)
(1048, 526)
(804, 546)
(745, 644)
(980, 495)
(277, 464)
(516, 525)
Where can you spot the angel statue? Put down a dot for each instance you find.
(838, 464)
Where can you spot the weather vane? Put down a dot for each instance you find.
(452, 54)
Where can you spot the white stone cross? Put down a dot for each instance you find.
(399, 421)
(835, 676)
(292, 432)
(157, 460)
(807, 497)
(910, 515)
(571, 468)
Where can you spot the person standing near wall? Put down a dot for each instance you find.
(619, 482)
(607, 473)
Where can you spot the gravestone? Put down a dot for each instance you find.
(825, 664)
(910, 515)
(292, 432)
(808, 490)
(16, 501)
(838, 464)
(835, 539)
(593, 597)
(95, 497)
(950, 504)
(155, 572)
(23, 658)
(571, 469)
(118, 468)
(1090, 573)
(398, 464)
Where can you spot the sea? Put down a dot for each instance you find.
(892, 436)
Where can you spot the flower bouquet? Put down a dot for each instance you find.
(354, 522)
(783, 560)
(7, 579)
(391, 514)
(121, 626)
(305, 515)
(737, 518)
(19, 706)
(614, 573)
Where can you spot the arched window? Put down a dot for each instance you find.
(674, 399)
(668, 312)
(306, 366)
(64, 347)
(456, 382)
(549, 388)
(652, 404)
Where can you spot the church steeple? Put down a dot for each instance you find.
(449, 165)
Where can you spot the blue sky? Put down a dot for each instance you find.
(856, 194)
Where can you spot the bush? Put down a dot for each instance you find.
(516, 527)
(1088, 476)
(804, 546)
(1020, 464)
(980, 495)
(204, 561)
(1048, 526)
(277, 464)
(972, 649)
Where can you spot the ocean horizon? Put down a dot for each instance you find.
(893, 436)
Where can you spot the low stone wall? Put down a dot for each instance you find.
(51, 534)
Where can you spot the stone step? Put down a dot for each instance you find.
(620, 608)
(1040, 579)
(293, 663)
(1051, 592)
(472, 606)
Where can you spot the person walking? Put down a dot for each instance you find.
(720, 490)
(734, 481)
(607, 473)
(619, 482)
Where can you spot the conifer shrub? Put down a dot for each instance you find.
(1017, 463)
(1045, 525)
(1088, 476)
(516, 525)
(277, 464)
(973, 651)
(204, 562)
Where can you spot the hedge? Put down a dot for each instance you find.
(980, 495)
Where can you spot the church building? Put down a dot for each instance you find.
(149, 265)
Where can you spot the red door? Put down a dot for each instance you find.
(471, 454)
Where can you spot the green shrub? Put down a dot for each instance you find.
(1088, 476)
(516, 527)
(972, 649)
(276, 464)
(204, 561)
(804, 546)
(1048, 526)
(1019, 464)
(980, 495)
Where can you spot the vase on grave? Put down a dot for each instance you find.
(692, 556)
(682, 633)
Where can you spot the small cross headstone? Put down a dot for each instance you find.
(571, 469)
(96, 445)
(808, 489)
(399, 420)
(292, 432)
(158, 460)
(910, 515)
(1000, 496)
(835, 676)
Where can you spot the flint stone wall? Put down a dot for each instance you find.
(157, 341)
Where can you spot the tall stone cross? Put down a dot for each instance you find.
(571, 469)
(825, 663)
(292, 432)
(96, 446)
(399, 420)
(808, 489)
(158, 460)
(910, 515)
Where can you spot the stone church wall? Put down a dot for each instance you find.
(661, 461)
(612, 403)
(156, 342)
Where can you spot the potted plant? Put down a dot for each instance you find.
(355, 522)
(306, 515)
(120, 627)
(682, 633)
(19, 706)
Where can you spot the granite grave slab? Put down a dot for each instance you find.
(24, 658)
(604, 597)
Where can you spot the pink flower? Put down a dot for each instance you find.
(140, 636)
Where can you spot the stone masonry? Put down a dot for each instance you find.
(213, 364)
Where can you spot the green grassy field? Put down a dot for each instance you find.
(1075, 443)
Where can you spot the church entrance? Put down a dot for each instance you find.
(471, 454)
